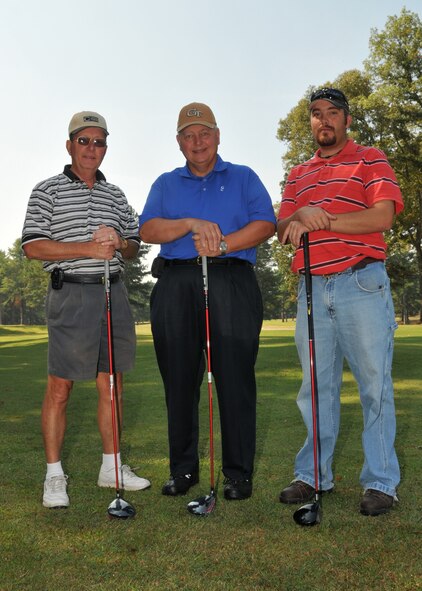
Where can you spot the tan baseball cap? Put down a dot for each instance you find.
(196, 114)
(86, 119)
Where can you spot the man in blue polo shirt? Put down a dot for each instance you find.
(220, 210)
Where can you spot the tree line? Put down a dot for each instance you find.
(23, 287)
(386, 105)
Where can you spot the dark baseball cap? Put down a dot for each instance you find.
(333, 95)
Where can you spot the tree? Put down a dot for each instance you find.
(138, 289)
(395, 63)
(23, 288)
(386, 105)
(283, 256)
(269, 281)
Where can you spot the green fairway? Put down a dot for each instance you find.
(242, 546)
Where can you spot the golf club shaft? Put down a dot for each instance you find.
(209, 374)
(111, 369)
(312, 356)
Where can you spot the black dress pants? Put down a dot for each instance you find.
(178, 327)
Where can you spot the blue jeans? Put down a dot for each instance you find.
(354, 320)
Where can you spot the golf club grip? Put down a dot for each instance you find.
(107, 276)
(308, 282)
(307, 263)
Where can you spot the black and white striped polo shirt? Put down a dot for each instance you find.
(65, 209)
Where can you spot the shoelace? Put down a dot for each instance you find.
(57, 483)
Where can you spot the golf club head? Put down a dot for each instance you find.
(203, 505)
(121, 509)
(309, 514)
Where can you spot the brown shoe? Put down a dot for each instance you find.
(375, 502)
(297, 492)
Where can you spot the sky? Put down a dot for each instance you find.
(137, 62)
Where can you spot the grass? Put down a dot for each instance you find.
(242, 546)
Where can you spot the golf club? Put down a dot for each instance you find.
(205, 505)
(119, 508)
(311, 513)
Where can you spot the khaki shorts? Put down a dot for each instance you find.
(77, 329)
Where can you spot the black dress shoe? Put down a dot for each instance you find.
(237, 490)
(179, 485)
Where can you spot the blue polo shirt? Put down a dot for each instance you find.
(231, 195)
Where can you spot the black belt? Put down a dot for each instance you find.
(98, 279)
(364, 263)
(210, 261)
(360, 265)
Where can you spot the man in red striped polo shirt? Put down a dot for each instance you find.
(345, 196)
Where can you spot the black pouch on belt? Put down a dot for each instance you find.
(157, 267)
(57, 278)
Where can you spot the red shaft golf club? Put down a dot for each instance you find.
(209, 371)
(111, 368)
(118, 508)
(206, 504)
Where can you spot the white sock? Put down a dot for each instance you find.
(108, 461)
(54, 469)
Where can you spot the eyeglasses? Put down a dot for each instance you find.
(96, 142)
(330, 94)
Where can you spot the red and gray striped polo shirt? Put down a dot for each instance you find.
(353, 180)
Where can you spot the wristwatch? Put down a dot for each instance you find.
(223, 248)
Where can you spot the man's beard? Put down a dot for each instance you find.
(325, 139)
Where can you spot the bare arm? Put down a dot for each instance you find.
(247, 237)
(161, 230)
(377, 218)
(105, 241)
(312, 218)
(51, 250)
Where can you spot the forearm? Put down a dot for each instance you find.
(249, 236)
(374, 219)
(161, 230)
(377, 218)
(52, 250)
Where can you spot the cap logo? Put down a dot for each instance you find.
(91, 118)
(194, 113)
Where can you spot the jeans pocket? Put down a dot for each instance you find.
(372, 278)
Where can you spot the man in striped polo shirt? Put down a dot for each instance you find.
(76, 221)
(345, 196)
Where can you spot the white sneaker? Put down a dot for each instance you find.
(55, 494)
(127, 479)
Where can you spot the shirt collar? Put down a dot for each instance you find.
(348, 148)
(73, 177)
(219, 166)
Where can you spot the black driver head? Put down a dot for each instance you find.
(121, 509)
(309, 514)
(203, 506)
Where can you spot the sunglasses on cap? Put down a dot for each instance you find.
(330, 94)
(85, 141)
